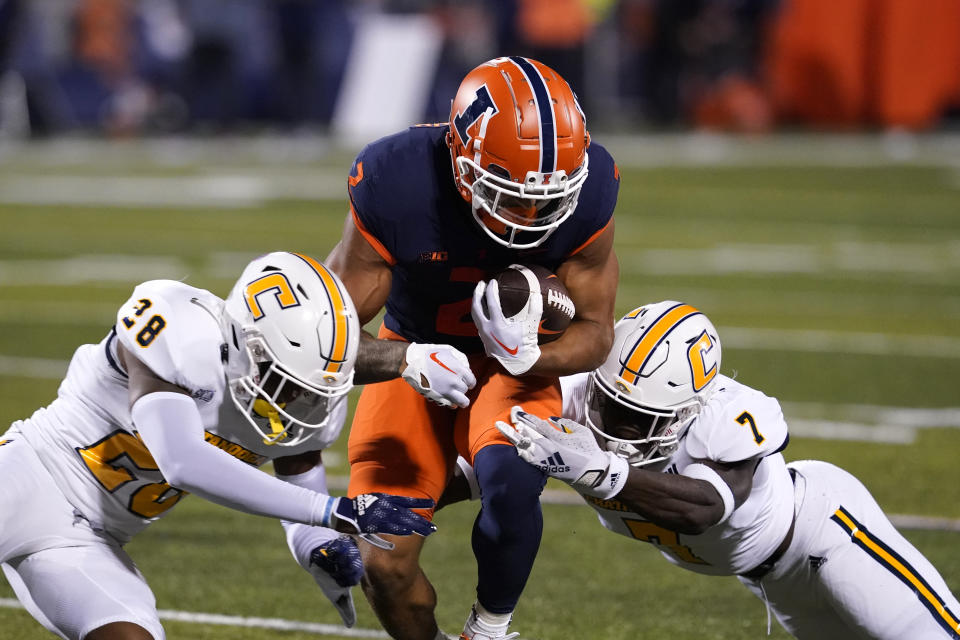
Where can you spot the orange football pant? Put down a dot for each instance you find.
(403, 444)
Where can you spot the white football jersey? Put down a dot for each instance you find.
(86, 438)
(738, 423)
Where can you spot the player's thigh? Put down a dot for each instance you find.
(800, 607)
(400, 443)
(881, 584)
(395, 568)
(872, 576)
(79, 589)
(496, 392)
(34, 515)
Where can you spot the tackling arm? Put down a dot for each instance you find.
(168, 421)
(687, 504)
(702, 495)
(591, 277)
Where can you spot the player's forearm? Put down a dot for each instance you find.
(681, 504)
(379, 360)
(301, 538)
(170, 427)
(583, 347)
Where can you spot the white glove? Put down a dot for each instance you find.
(513, 340)
(566, 450)
(439, 373)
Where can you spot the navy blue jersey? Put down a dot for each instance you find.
(406, 204)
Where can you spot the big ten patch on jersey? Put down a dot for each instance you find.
(405, 203)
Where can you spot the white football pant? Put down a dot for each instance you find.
(848, 573)
(71, 578)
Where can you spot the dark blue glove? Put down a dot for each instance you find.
(336, 566)
(371, 513)
(340, 559)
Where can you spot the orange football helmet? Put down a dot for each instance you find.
(518, 141)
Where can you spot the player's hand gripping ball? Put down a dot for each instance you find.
(533, 308)
(558, 308)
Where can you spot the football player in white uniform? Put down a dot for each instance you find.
(189, 393)
(676, 454)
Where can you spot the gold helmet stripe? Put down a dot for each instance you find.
(341, 330)
(652, 337)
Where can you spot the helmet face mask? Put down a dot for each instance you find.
(520, 216)
(658, 376)
(300, 337)
(518, 144)
(642, 435)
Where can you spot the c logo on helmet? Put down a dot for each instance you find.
(698, 367)
(274, 283)
(471, 114)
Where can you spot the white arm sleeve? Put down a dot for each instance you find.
(301, 538)
(169, 424)
(703, 472)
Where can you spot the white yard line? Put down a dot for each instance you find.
(276, 624)
(245, 172)
(43, 368)
(878, 344)
(863, 260)
(160, 192)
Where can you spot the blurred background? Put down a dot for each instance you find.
(789, 167)
(152, 67)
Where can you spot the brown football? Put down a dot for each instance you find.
(558, 308)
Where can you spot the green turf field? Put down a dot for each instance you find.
(835, 289)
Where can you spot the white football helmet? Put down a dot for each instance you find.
(301, 333)
(660, 373)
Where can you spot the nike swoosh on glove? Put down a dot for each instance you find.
(512, 341)
(439, 373)
(566, 450)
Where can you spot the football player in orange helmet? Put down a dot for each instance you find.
(436, 211)
(518, 140)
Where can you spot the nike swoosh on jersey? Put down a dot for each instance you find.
(512, 351)
(433, 356)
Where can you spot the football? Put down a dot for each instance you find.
(558, 308)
